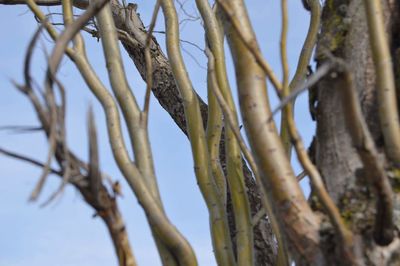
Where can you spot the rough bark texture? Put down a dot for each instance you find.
(166, 92)
(344, 34)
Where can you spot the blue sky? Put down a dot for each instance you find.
(65, 233)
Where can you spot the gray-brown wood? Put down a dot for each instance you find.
(344, 35)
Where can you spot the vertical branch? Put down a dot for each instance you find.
(241, 208)
(297, 220)
(167, 258)
(285, 136)
(309, 44)
(282, 259)
(94, 166)
(213, 135)
(149, 66)
(218, 219)
(301, 70)
(374, 169)
(251, 45)
(388, 112)
(137, 125)
(315, 177)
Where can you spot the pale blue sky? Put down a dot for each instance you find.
(65, 233)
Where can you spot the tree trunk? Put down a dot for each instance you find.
(344, 34)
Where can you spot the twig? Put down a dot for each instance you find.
(82, 4)
(300, 176)
(149, 65)
(60, 139)
(29, 160)
(193, 58)
(94, 173)
(311, 81)
(31, 46)
(53, 114)
(22, 129)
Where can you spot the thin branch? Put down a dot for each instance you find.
(70, 31)
(230, 118)
(345, 234)
(53, 116)
(300, 176)
(251, 45)
(218, 217)
(68, 34)
(94, 173)
(302, 66)
(149, 66)
(278, 178)
(374, 169)
(82, 4)
(193, 58)
(311, 81)
(285, 135)
(29, 160)
(22, 129)
(29, 53)
(60, 139)
(140, 175)
(41, 17)
(388, 112)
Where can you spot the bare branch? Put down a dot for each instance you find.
(82, 4)
(29, 160)
(94, 166)
(374, 168)
(388, 112)
(251, 45)
(311, 81)
(149, 66)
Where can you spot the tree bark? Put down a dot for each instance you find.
(344, 34)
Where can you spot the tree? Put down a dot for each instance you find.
(351, 216)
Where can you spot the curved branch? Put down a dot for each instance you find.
(216, 208)
(388, 112)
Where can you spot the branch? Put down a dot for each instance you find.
(233, 124)
(149, 65)
(94, 166)
(310, 82)
(374, 168)
(251, 44)
(302, 66)
(29, 160)
(243, 227)
(82, 4)
(277, 174)
(388, 112)
(216, 208)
